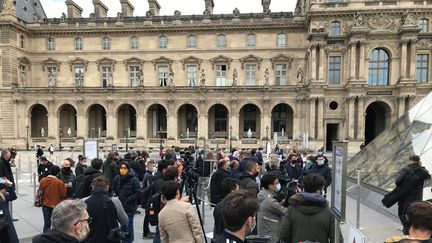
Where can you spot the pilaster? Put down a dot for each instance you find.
(320, 118)
(361, 119)
(312, 120)
(351, 119)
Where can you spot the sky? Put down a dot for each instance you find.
(54, 8)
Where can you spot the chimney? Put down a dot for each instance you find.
(209, 5)
(126, 8)
(100, 10)
(73, 10)
(154, 7)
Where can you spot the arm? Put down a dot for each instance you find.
(286, 227)
(163, 234)
(121, 214)
(276, 208)
(401, 176)
(252, 187)
(136, 187)
(194, 223)
(62, 190)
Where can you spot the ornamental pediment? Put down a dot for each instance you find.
(78, 62)
(105, 61)
(221, 59)
(50, 62)
(251, 59)
(133, 60)
(191, 59)
(162, 60)
(281, 58)
(24, 60)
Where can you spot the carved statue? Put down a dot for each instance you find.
(171, 78)
(110, 79)
(80, 82)
(407, 19)
(300, 75)
(177, 14)
(235, 76)
(52, 79)
(266, 77)
(206, 13)
(266, 5)
(23, 78)
(119, 16)
(8, 6)
(36, 17)
(359, 19)
(203, 78)
(93, 16)
(149, 14)
(298, 10)
(63, 17)
(236, 12)
(140, 78)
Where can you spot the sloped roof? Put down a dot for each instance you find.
(25, 10)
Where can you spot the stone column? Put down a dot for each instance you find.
(361, 119)
(320, 118)
(203, 126)
(401, 108)
(172, 126)
(53, 124)
(297, 120)
(322, 63)
(353, 60)
(351, 110)
(312, 119)
(413, 67)
(313, 49)
(234, 121)
(82, 123)
(362, 61)
(112, 121)
(142, 126)
(403, 59)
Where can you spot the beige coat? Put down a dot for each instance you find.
(179, 223)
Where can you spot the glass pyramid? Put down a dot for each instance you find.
(381, 160)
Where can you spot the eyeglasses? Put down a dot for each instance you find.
(89, 220)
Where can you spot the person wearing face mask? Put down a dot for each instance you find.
(67, 176)
(70, 224)
(148, 178)
(218, 176)
(324, 171)
(294, 170)
(271, 212)
(81, 165)
(128, 189)
(247, 178)
(239, 211)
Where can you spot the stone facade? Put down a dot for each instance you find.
(329, 71)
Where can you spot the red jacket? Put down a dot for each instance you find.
(54, 191)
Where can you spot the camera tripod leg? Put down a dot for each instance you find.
(199, 214)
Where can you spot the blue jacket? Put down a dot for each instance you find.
(128, 190)
(299, 169)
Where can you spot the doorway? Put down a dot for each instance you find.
(332, 135)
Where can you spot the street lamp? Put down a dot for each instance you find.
(160, 137)
(126, 132)
(60, 134)
(27, 137)
(230, 137)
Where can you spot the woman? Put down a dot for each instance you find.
(127, 188)
(54, 191)
(7, 193)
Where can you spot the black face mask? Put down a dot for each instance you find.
(67, 169)
(293, 161)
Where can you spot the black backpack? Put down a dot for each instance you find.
(153, 208)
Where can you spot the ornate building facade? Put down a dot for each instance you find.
(332, 70)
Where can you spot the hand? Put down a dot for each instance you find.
(184, 199)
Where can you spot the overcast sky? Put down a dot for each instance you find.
(54, 8)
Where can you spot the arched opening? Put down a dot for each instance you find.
(187, 121)
(379, 67)
(377, 117)
(282, 121)
(127, 124)
(68, 121)
(97, 121)
(39, 121)
(157, 121)
(218, 123)
(250, 121)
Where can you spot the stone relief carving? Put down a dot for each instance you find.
(235, 76)
(407, 19)
(359, 19)
(300, 75)
(52, 78)
(381, 22)
(80, 80)
(203, 78)
(23, 78)
(424, 44)
(171, 78)
(266, 77)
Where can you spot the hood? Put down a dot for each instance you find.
(308, 203)
(90, 170)
(157, 175)
(246, 175)
(108, 161)
(54, 236)
(263, 194)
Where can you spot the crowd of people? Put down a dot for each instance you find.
(281, 197)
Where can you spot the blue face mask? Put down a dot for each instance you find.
(278, 187)
(320, 162)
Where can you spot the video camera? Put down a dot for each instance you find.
(286, 192)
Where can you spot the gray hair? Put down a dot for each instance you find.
(4, 152)
(274, 163)
(66, 214)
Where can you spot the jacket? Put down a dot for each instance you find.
(43, 170)
(8, 235)
(216, 194)
(67, 177)
(219, 225)
(128, 190)
(248, 182)
(228, 237)
(269, 215)
(110, 170)
(235, 173)
(82, 185)
(323, 170)
(139, 167)
(289, 170)
(54, 191)
(179, 223)
(411, 180)
(308, 218)
(147, 180)
(79, 169)
(54, 236)
(6, 170)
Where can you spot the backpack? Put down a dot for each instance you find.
(154, 207)
(81, 186)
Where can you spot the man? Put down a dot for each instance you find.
(247, 178)
(82, 184)
(294, 170)
(178, 221)
(419, 217)
(5, 167)
(270, 214)
(308, 217)
(239, 211)
(216, 181)
(410, 181)
(148, 177)
(228, 185)
(70, 224)
(39, 153)
(245, 157)
(235, 169)
(110, 169)
(44, 167)
(81, 166)
(322, 168)
(51, 150)
(106, 212)
(259, 155)
(67, 176)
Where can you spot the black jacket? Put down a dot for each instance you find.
(110, 171)
(43, 170)
(230, 237)
(219, 224)
(216, 194)
(323, 170)
(128, 190)
(67, 177)
(82, 184)
(80, 168)
(5, 170)
(411, 180)
(248, 182)
(139, 167)
(54, 236)
(148, 178)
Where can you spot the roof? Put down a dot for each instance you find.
(26, 10)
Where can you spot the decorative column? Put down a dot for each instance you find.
(362, 61)
(53, 126)
(312, 119)
(141, 117)
(297, 120)
(401, 105)
(413, 67)
(234, 119)
(322, 62)
(265, 118)
(172, 122)
(361, 119)
(320, 118)
(202, 119)
(403, 59)
(353, 65)
(111, 121)
(351, 122)
(313, 50)
(82, 120)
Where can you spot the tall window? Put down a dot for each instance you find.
(79, 76)
(134, 75)
(221, 41)
(378, 67)
(335, 28)
(250, 74)
(422, 68)
(281, 74)
(22, 41)
(191, 75)
(106, 43)
(281, 40)
(279, 117)
(163, 42)
(192, 41)
(134, 42)
(163, 75)
(78, 44)
(250, 118)
(250, 40)
(334, 69)
(106, 76)
(221, 71)
(51, 43)
(423, 25)
(221, 120)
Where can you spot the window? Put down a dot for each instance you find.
(22, 41)
(334, 69)
(335, 28)
(281, 74)
(51, 44)
(378, 67)
(106, 76)
(134, 42)
(163, 42)
(191, 118)
(250, 40)
(221, 41)
(106, 43)
(281, 40)
(191, 75)
(221, 120)
(52, 71)
(163, 75)
(192, 41)
(250, 118)
(250, 74)
(78, 44)
(79, 76)
(279, 117)
(422, 68)
(423, 25)
(134, 75)
(221, 75)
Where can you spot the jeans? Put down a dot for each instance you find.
(129, 228)
(146, 229)
(47, 218)
(156, 238)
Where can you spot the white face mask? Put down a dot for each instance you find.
(253, 225)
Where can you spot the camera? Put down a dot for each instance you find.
(117, 235)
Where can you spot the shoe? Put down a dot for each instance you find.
(150, 235)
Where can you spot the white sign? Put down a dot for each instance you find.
(355, 236)
(91, 149)
(338, 178)
(339, 175)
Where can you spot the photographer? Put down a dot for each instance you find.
(7, 193)
(106, 212)
(216, 181)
